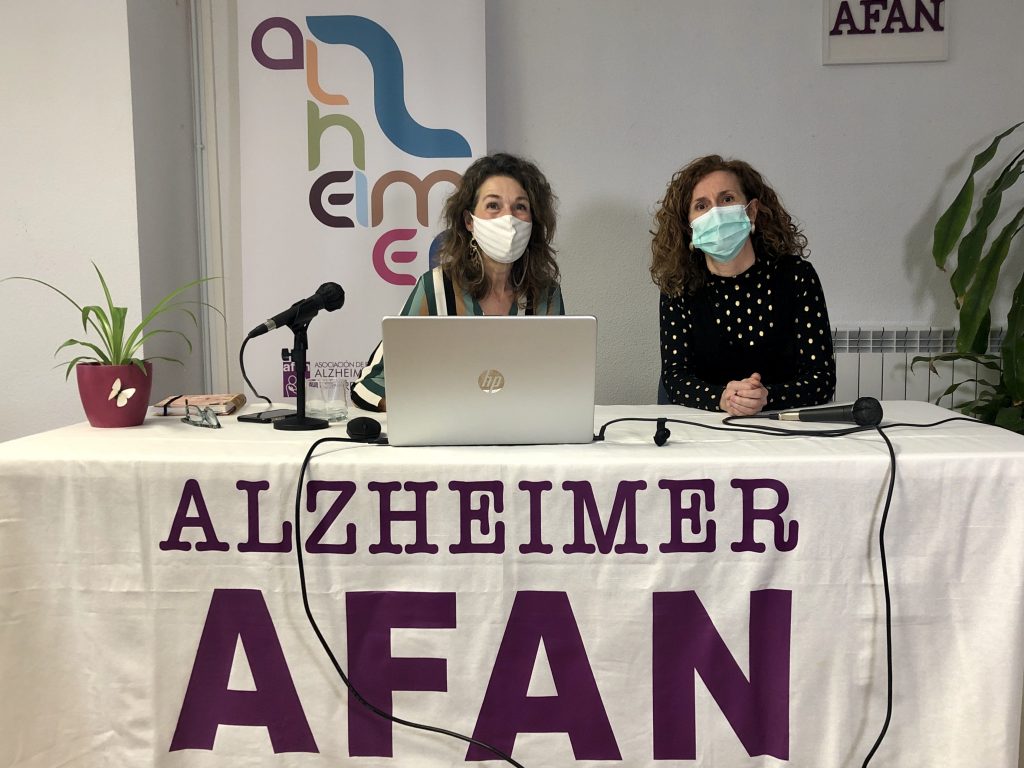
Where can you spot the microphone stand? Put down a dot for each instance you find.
(300, 421)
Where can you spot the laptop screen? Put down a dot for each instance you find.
(490, 380)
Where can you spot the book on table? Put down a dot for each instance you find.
(222, 404)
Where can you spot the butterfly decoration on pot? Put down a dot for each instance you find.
(122, 395)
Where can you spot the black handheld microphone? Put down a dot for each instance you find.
(329, 296)
(866, 411)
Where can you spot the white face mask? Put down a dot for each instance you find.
(503, 239)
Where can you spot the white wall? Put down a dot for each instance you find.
(67, 192)
(610, 97)
(97, 156)
(165, 170)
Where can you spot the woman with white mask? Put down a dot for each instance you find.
(495, 259)
(744, 326)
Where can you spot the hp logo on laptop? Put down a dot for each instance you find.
(491, 381)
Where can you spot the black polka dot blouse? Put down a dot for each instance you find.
(770, 320)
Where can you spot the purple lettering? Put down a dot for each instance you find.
(417, 515)
(577, 710)
(253, 544)
(191, 492)
(536, 543)
(346, 490)
(692, 513)
(294, 36)
(871, 13)
(241, 615)
(686, 644)
(844, 18)
(584, 502)
(897, 16)
(932, 18)
(468, 514)
(316, 199)
(375, 673)
(773, 515)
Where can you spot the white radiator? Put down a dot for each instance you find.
(875, 362)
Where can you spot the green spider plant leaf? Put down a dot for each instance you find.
(116, 343)
(988, 361)
(100, 355)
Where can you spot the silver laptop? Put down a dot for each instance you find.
(490, 380)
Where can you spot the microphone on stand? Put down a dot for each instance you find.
(866, 412)
(329, 296)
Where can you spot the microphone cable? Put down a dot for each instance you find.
(326, 646)
(729, 424)
(245, 378)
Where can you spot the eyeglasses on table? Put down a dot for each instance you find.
(200, 417)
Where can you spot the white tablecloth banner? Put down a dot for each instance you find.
(714, 602)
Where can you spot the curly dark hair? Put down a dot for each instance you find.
(536, 271)
(674, 266)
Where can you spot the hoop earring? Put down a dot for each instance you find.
(474, 250)
(753, 229)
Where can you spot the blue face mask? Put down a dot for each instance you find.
(722, 231)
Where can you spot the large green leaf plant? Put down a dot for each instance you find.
(974, 282)
(116, 342)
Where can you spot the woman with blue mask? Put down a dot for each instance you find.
(744, 326)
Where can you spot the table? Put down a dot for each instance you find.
(716, 601)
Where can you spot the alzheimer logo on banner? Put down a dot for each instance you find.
(353, 132)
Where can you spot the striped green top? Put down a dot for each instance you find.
(433, 295)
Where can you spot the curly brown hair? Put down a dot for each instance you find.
(536, 271)
(674, 266)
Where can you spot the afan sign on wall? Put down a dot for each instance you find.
(875, 31)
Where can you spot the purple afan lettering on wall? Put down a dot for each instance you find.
(686, 643)
(577, 710)
(241, 615)
(293, 61)
(375, 673)
(896, 19)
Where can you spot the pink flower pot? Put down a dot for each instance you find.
(114, 395)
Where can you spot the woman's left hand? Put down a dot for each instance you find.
(746, 397)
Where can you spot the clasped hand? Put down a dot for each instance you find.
(744, 398)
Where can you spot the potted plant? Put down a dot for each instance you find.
(975, 281)
(114, 383)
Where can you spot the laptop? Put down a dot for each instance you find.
(516, 380)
